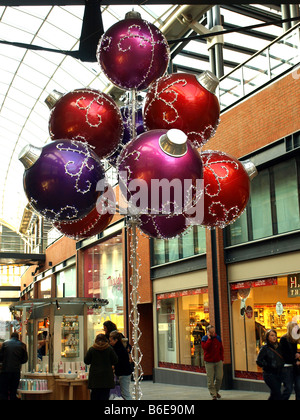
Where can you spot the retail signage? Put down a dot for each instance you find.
(294, 285)
(182, 293)
(254, 283)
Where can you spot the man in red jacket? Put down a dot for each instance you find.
(213, 359)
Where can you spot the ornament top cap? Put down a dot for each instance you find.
(250, 168)
(133, 15)
(174, 143)
(208, 80)
(51, 99)
(29, 155)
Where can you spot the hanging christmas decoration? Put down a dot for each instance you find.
(133, 53)
(60, 179)
(185, 102)
(163, 227)
(227, 188)
(158, 172)
(90, 115)
(126, 112)
(93, 223)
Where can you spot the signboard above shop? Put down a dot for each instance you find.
(293, 285)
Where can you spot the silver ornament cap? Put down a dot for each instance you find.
(133, 15)
(51, 99)
(174, 143)
(29, 155)
(209, 81)
(250, 168)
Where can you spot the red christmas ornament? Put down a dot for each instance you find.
(185, 102)
(226, 188)
(90, 115)
(93, 223)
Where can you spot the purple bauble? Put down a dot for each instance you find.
(128, 130)
(133, 53)
(60, 179)
(163, 227)
(159, 172)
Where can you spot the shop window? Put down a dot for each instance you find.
(45, 288)
(256, 307)
(261, 206)
(66, 283)
(273, 206)
(103, 278)
(180, 330)
(190, 243)
(286, 195)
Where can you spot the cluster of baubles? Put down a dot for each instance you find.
(156, 152)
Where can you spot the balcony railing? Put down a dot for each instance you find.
(278, 57)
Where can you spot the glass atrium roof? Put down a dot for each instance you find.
(27, 76)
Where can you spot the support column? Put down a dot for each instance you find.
(218, 297)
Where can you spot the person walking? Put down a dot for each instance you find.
(213, 359)
(13, 354)
(271, 360)
(123, 368)
(291, 374)
(102, 358)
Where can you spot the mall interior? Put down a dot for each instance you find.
(244, 277)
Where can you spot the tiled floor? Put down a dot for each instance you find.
(158, 391)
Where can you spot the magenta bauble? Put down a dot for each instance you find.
(163, 227)
(226, 188)
(133, 53)
(185, 102)
(88, 115)
(159, 172)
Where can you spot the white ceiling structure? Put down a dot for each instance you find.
(28, 76)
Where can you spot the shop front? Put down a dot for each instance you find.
(180, 317)
(103, 276)
(257, 306)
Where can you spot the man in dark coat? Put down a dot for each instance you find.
(13, 354)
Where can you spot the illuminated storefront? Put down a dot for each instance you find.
(256, 307)
(179, 316)
(104, 279)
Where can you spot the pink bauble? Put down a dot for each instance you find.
(88, 115)
(185, 102)
(159, 172)
(226, 188)
(133, 53)
(163, 227)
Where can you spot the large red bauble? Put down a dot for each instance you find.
(226, 188)
(92, 224)
(164, 169)
(185, 102)
(133, 53)
(90, 115)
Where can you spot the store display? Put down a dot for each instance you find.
(186, 102)
(88, 115)
(60, 179)
(70, 337)
(133, 53)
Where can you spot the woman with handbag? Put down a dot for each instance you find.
(122, 368)
(270, 359)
